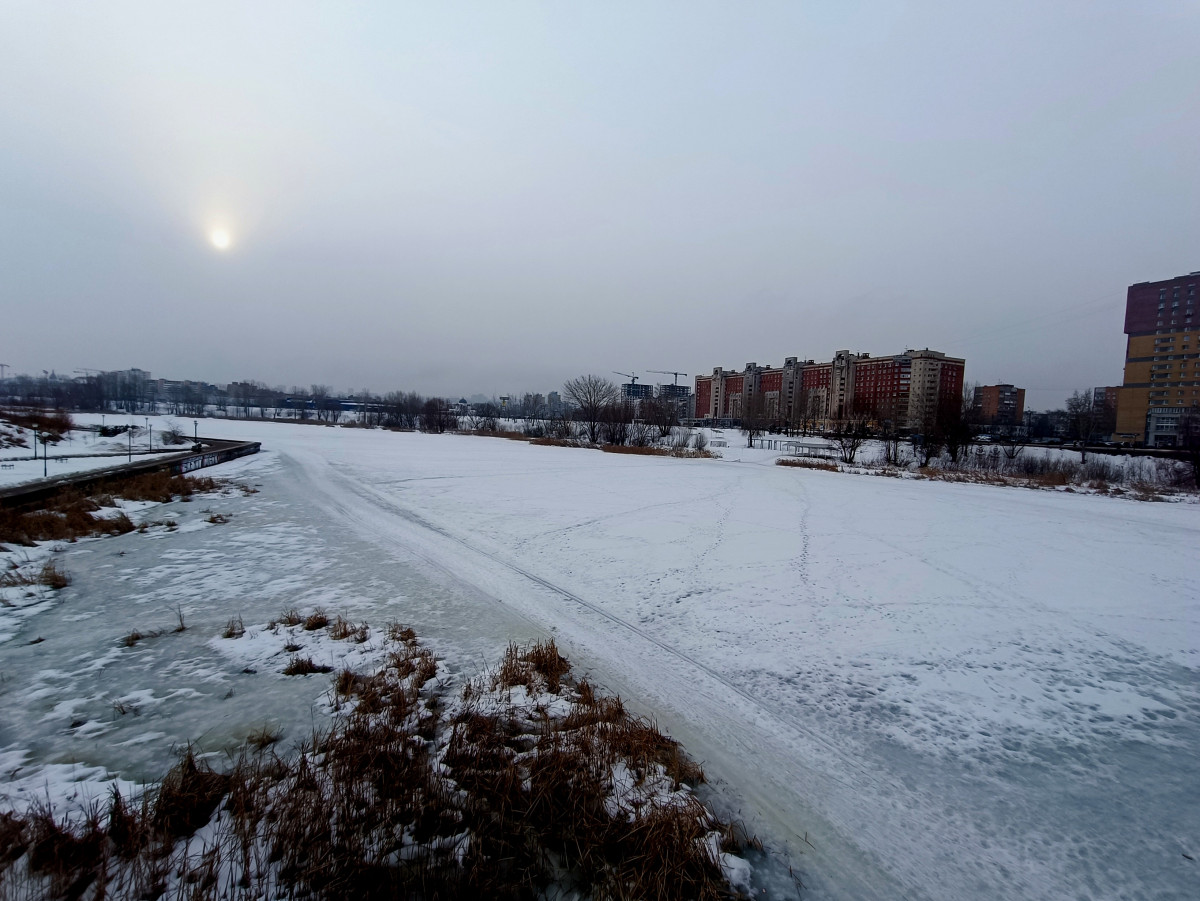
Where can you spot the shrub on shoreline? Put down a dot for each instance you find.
(525, 784)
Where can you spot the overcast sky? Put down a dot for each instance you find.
(456, 198)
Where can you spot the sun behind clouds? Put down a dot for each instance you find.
(220, 238)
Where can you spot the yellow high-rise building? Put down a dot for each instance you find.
(1162, 361)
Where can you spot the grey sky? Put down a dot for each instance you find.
(493, 197)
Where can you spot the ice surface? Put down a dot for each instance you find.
(953, 690)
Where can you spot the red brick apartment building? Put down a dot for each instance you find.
(999, 405)
(904, 388)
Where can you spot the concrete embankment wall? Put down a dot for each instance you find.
(214, 451)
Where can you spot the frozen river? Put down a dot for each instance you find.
(951, 691)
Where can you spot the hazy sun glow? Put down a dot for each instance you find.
(220, 238)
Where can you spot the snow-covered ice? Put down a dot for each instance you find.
(951, 690)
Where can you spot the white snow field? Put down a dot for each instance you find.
(953, 691)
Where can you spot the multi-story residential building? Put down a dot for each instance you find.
(1162, 359)
(635, 391)
(905, 389)
(1001, 406)
(1105, 398)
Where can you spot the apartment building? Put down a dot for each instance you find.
(903, 388)
(999, 406)
(1162, 360)
(1105, 397)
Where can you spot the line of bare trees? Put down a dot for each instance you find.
(604, 416)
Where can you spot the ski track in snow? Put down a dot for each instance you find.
(954, 691)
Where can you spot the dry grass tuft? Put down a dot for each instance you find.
(264, 736)
(188, 796)
(316, 620)
(235, 628)
(397, 632)
(68, 857)
(53, 576)
(290, 618)
(133, 637)
(340, 630)
(535, 666)
(303, 666)
(413, 662)
(67, 516)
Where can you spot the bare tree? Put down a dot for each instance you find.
(590, 394)
(810, 408)
(889, 431)
(849, 437)
(928, 444)
(641, 433)
(532, 412)
(1081, 418)
(615, 421)
(661, 414)
(755, 418)
(484, 417)
(954, 424)
(436, 416)
(1011, 445)
(560, 425)
(680, 438)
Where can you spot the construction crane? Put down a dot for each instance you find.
(629, 375)
(668, 372)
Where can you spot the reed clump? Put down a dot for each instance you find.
(68, 515)
(408, 794)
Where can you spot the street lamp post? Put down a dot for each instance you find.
(149, 433)
(196, 430)
(40, 436)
